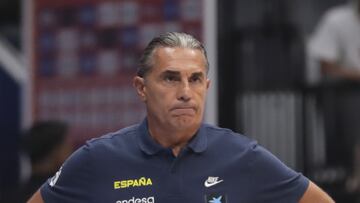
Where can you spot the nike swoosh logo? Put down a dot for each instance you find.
(207, 184)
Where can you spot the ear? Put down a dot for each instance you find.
(208, 83)
(139, 84)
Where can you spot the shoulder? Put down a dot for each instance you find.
(245, 156)
(217, 132)
(102, 147)
(227, 139)
(232, 144)
(113, 140)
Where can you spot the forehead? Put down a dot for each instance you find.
(178, 59)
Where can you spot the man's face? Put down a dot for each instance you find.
(174, 90)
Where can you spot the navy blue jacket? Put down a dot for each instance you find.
(217, 166)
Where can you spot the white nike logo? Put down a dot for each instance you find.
(211, 181)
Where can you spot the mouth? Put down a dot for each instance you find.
(184, 111)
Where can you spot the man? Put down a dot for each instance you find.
(336, 47)
(47, 145)
(336, 42)
(172, 157)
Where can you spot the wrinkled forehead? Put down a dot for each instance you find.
(162, 48)
(185, 56)
(183, 72)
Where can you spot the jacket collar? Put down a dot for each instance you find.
(149, 146)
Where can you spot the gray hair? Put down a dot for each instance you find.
(169, 39)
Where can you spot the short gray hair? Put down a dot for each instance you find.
(169, 39)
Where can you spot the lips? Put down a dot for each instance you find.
(183, 110)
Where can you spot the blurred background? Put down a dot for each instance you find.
(71, 62)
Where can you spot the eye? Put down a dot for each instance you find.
(196, 79)
(171, 78)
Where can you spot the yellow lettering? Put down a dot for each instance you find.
(123, 184)
(135, 183)
(132, 183)
(142, 181)
(116, 184)
(149, 182)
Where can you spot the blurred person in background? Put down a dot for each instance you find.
(172, 156)
(335, 45)
(47, 145)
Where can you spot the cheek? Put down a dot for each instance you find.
(201, 94)
(159, 97)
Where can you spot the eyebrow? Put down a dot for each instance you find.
(176, 73)
(197, 74)
(170, 72)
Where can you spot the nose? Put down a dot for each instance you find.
(184, 91)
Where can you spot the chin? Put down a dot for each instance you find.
(184, 122)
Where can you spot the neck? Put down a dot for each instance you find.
(171, 138)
